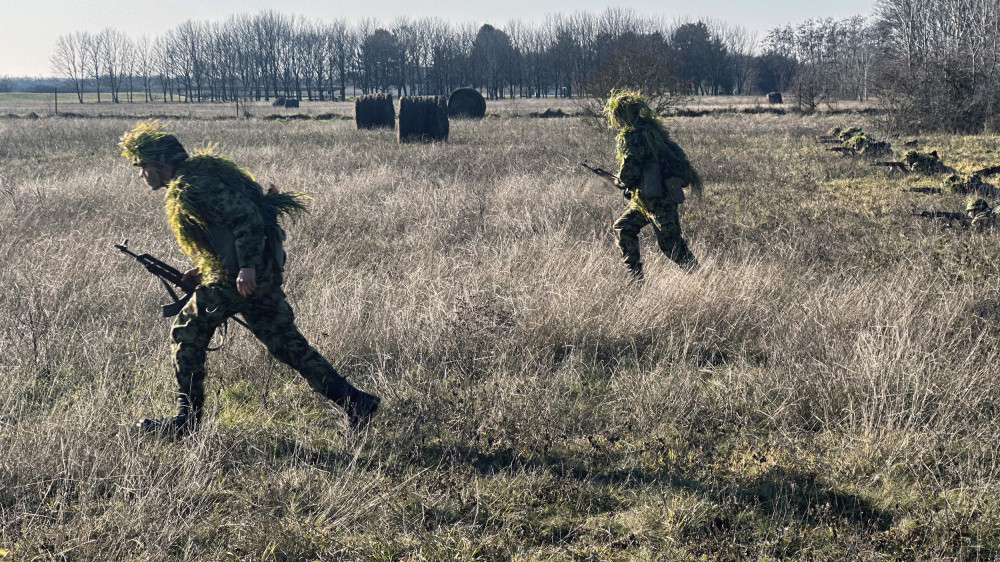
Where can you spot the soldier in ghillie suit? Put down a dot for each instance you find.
(653, 172)
(983, 216)
(228, 225)
(926, 163)
(864, 144)
(973, 184)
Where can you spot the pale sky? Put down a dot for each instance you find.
(29, 28)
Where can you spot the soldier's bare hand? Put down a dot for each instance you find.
(246, 281)
(193, 273)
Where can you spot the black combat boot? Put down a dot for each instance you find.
(186, 421)
(360, 408)
(357, 404)
(635, 271)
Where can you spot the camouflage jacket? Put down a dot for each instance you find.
(635, 152)
(215, 211)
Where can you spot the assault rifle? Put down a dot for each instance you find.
(600, 171)
(928, 190)
(844, 150)
(947, 215)
(167, 275)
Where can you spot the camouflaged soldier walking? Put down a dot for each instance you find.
(228, 226)
(653, 172)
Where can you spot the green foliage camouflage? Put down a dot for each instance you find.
(149, 143)
(625, 110)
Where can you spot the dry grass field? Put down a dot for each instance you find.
(823, 388)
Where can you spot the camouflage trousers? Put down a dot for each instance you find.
(269, 317)
(666, 225)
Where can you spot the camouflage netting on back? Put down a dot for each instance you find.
(926, 162)
(202, 182)
(973, 184)
(862, 143)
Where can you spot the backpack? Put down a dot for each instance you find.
(668, 176)
(677, 172)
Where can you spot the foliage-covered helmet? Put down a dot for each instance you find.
(149, 143)
(624, 106)
(977, 206)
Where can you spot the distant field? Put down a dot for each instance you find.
(43, 105)
(824, 388)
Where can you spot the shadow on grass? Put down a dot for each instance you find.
(747, 510)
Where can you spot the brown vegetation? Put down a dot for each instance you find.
(823, 388)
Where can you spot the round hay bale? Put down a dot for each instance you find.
(279, 102)
(291, 102)
(774, 97)
(467, 103)
(374, 111)
(423, 118)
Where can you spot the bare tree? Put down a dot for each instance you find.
(492, 60)
(342, 45)
(167, 65)
(69, 60)
(945, 62)
(114, 52)
(740, 45)
(92, 49)
(145, 65)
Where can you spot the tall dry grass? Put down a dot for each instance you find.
(823, 387)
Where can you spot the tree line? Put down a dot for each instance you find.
(932, 63)
(269, 54)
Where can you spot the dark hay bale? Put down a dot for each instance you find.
(374, 111)
(423, 118)
(279, 102)
(468, 103)
(774, 97)
(291, 102)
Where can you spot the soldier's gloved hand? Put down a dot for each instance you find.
(246, 281)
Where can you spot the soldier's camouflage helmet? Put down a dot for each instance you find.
(149, 143)
(977, 206)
